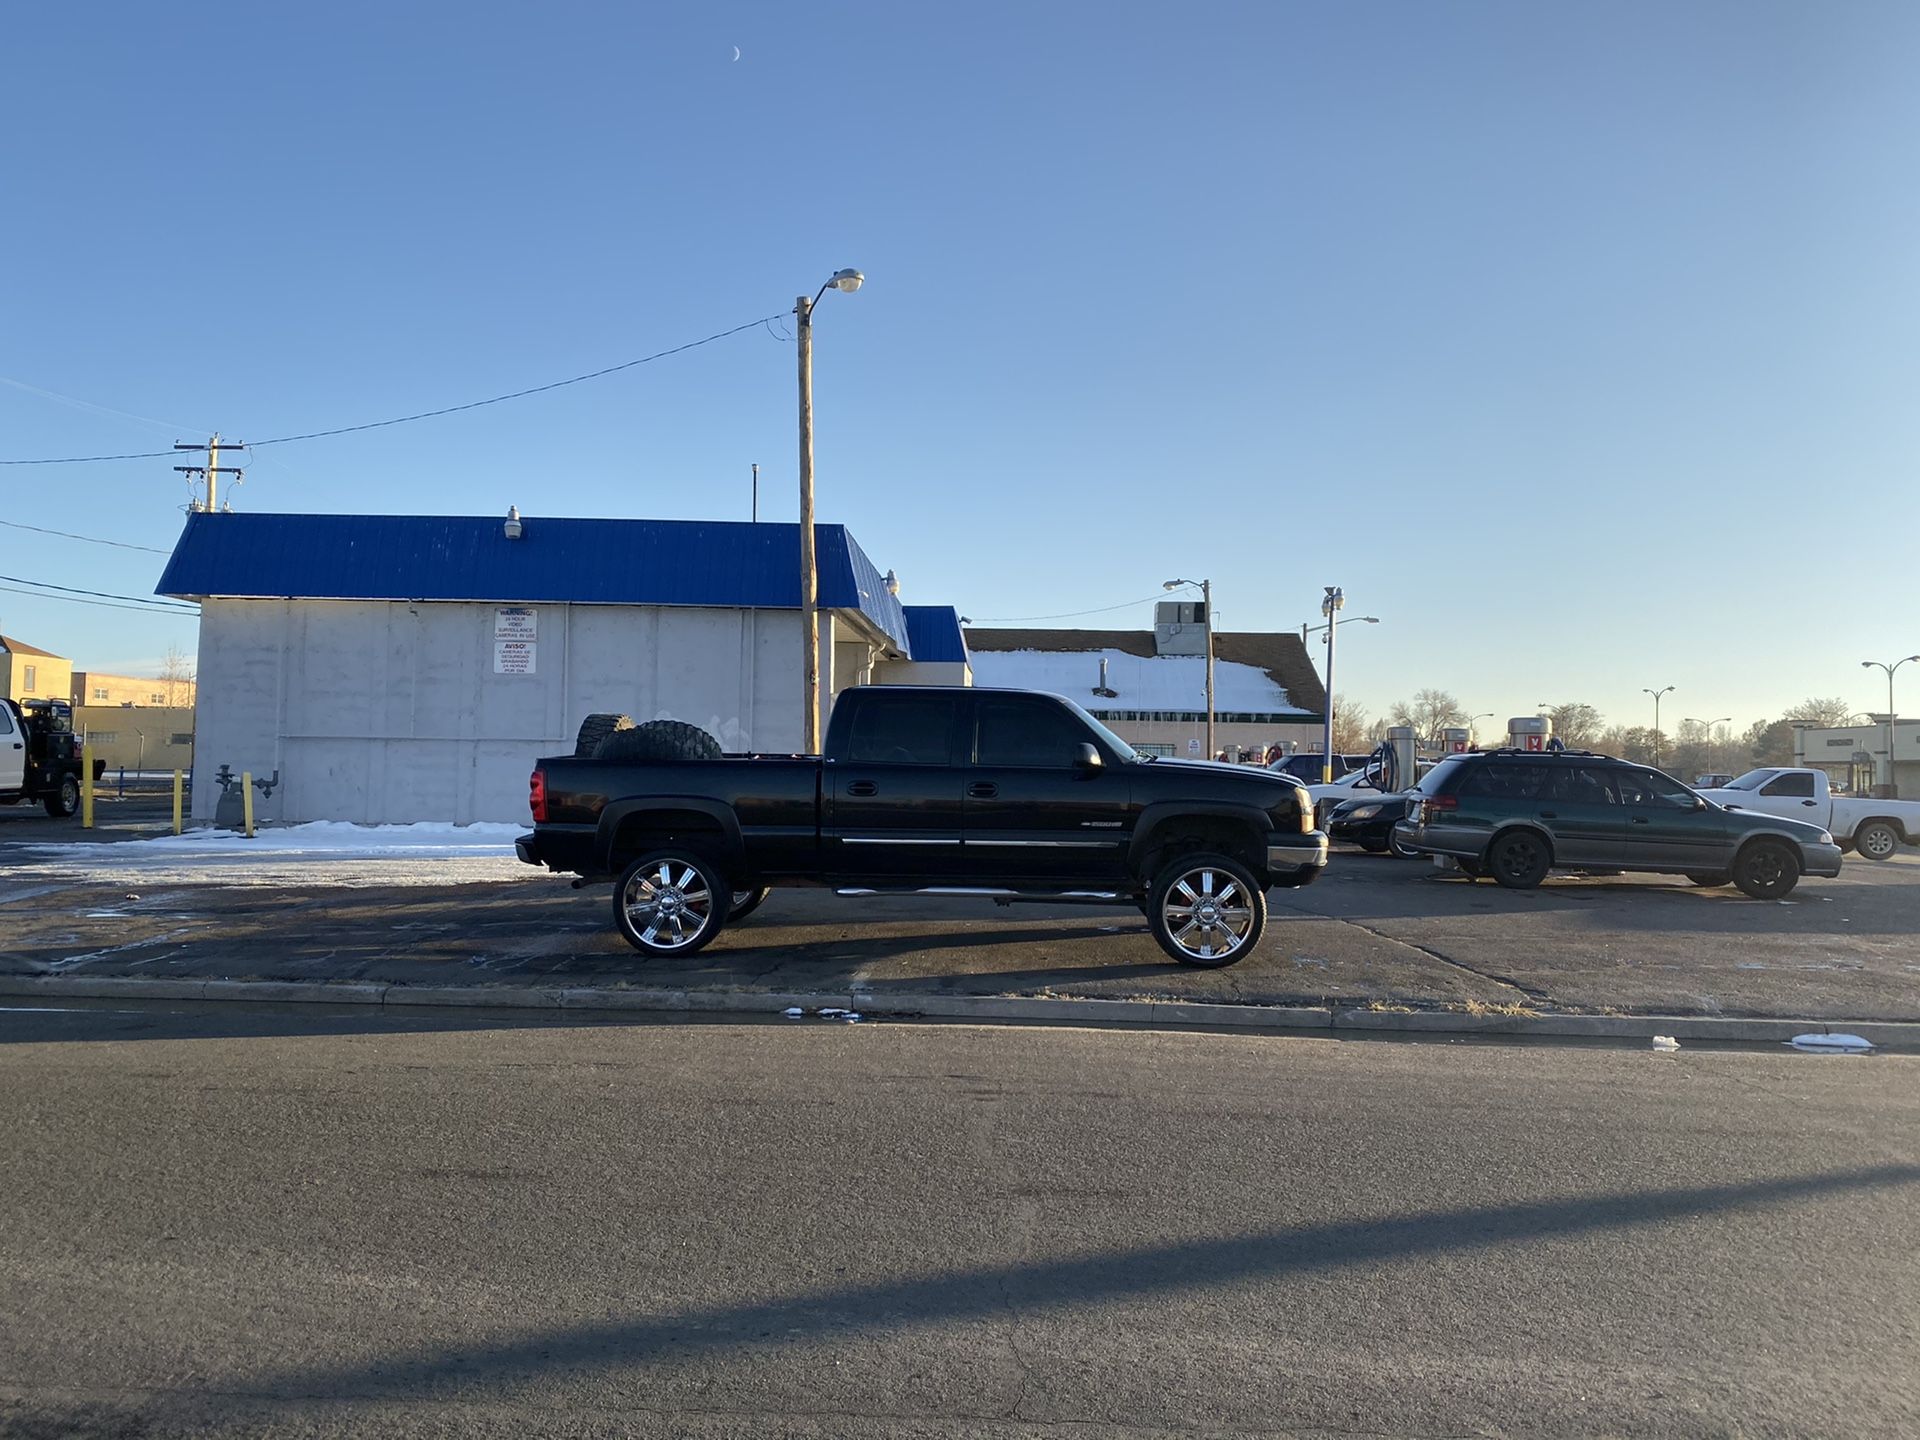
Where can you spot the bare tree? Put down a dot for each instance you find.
(1576, 725)
(1429, 712)
(1351, 724)
(1829, 713)
(176, 677)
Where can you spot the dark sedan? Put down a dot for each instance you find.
(1368, 821)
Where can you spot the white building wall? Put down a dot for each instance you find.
(922, 672)
(382, 711)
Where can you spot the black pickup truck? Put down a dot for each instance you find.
(1004, 794)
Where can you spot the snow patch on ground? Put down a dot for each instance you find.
(319, 853)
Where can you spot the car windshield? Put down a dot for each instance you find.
(1752, 780)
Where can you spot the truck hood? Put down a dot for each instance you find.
(1252, 774)
(1809, 830)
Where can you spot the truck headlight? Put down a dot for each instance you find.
(1306, 814)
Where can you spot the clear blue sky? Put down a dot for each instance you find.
(1577, 342)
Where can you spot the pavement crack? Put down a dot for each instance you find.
(1539, 997)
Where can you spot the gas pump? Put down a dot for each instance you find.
(1401, 757)
(1529, 732)
(1455, 741)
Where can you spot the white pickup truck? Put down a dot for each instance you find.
(1876, 828)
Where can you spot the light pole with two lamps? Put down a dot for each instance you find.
(1707, 727)
(1893, 782)
(1473, 738)
(1656, 694)
(1205, 588)
(846, 282)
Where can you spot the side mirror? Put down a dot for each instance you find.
(1090, 757)
(1699, 802)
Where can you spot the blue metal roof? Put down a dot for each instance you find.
(468, 557)
(934, 633)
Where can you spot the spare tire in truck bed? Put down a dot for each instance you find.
(596, 728)
(659, 740)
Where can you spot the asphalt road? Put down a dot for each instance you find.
(247, 1222)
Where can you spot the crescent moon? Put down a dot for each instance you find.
(736, 52)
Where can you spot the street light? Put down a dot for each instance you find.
(1206, 598)
(1331, 604)
(1708, 726)
(1893, 780)
(1656, 694)
(846, 282)
(1473, 739)
(1306, 630)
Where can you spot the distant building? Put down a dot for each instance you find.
(29, 673)
(408, 667)
(1856, 755)
(137, 737)
(95, 687)
(1150, 686)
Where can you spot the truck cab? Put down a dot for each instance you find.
(39, 757)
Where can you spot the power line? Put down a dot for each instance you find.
(103, 604)
(90, 539)
(427, 414)
(514, 395)
(157, 604)
(90, 459)
(1065, 615)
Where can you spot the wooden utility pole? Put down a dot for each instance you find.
(213, 469)
(809, 563)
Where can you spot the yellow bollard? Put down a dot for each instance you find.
(246, 798)
(86, 787)
(177, 788)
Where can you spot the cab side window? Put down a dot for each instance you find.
(1798, 786)
(1016, 731)
(902, 730)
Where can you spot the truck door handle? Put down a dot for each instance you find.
(863, 788)
(982, 790)
(1803, 802)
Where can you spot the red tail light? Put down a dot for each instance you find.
(537, 796)
(1440, 802)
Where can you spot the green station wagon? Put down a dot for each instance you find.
(1518, 814)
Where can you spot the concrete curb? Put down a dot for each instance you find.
(909, 1005)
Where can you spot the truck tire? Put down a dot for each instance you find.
(1877, 840)
(1519, 859)
(657, 741)
(670, 902)
(65, 799)
(1206, 910)
(1766, 869)
(596, 728)
(745, 902)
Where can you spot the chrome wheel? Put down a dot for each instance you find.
(1208, 913)
(668, 904)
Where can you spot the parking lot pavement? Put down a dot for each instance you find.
(1372, 931)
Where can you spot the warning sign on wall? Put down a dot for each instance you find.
(513, 657)
(516, 622)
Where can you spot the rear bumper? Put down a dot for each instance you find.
(557, 848)
(1440, 840)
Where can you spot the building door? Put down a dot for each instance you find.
(1035, 814)
(894, 798)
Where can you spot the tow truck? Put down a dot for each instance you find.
(39, 756)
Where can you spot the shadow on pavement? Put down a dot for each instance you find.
(595, 1349)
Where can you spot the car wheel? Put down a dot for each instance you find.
(1207, 910)
(1397, 848)
(745, 902)
(1766, 869)
(1519, 859)
(1711, 881)
(1877, 840)
(670, 903)
(64, 801)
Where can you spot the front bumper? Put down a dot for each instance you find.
(1361, 832)
(1296, 855)
(1821, 860)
